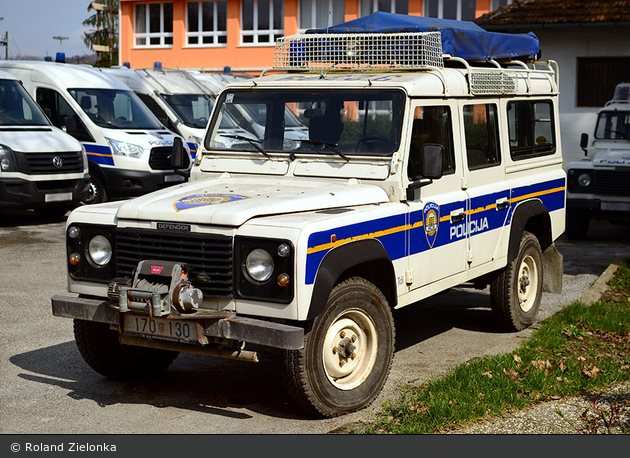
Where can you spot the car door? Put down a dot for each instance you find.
(434, 250)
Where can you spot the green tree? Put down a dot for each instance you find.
(103, 31)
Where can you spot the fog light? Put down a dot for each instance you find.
(283, 280)
(284, 250)
(75, 259)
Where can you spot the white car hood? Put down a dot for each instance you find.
(612, 157)
(233, 201)
(38, 139)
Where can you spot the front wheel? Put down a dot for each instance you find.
(516, 293)
(96, 192)
(347, 352)
(100, 348)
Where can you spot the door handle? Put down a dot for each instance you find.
(502, 204)
(457, 216)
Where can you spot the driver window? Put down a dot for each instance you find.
(431, 124)
(61, 114)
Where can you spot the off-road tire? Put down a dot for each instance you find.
(315, 377)
(100, 348)
(516, 293)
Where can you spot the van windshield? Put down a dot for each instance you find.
(17, 108)
(325, 122)
(193, 109)
(115, 109)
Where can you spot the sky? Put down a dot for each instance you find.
(32, 24)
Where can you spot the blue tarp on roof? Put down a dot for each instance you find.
(459, 38)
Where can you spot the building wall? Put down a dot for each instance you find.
(565, 45)
(236, 56)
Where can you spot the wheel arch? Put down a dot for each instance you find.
(364, 258)
(531, 216)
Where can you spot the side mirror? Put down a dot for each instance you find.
(431, 166)
(177, 154)
(584, 143)
(432, 161)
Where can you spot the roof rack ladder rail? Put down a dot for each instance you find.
(555, 69)
(442, 77)
(528, 71)
(468, 69)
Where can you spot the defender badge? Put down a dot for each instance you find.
(203, 200)
(431, 220)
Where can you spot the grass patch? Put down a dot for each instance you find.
(578, 350)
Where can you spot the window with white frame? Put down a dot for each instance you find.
(388, 6)
(262, 21)
(320, 13)
(496, 4)
(153, 24)
(206, 23)
(461, 10)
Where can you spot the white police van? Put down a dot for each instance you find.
(127, 147)
(180, 101)
(598, 186)
(428, 165)
(41, 167)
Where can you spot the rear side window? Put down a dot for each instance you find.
(531, 128)
(482, 136)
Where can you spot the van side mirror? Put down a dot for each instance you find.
(584, 143)
(177, 154)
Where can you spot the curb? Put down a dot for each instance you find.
(601, 284)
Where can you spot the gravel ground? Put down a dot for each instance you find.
(544, 418)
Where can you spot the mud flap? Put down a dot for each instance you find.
(552, 270)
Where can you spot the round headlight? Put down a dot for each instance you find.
(259, 265)
(584, 179)
(100, 250)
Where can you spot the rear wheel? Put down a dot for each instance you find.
(347, 352)
(515, 294)
(100, 348)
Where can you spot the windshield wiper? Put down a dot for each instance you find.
(255, 143)
(331, 146)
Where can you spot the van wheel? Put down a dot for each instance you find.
(347, 354)
(96, 192)
(100, 348)
(515, 294)
(577, 221)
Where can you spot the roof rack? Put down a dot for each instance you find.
(359, 51)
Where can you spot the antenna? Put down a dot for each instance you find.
(60, 41)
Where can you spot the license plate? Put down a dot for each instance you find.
(616, 206)
(59, 197)
(166, 329)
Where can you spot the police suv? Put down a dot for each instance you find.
(430, 163)
(599, 185)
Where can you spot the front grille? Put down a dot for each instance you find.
(210, 255)
(44, 163)
(612, 182)
(160, 158)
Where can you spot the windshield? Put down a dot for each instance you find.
(115, 109)
(347, 122)
(17, 107)
(613, 125)
(193, 109)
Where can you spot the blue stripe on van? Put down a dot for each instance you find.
(102, 155)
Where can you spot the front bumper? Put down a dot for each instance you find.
(213, 324)
(599, 207)
(19, 194)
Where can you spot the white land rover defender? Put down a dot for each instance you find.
(599, 185)
(428, 165)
